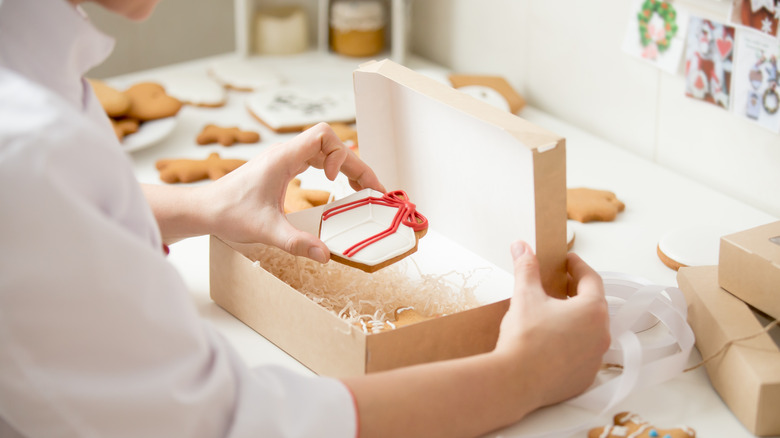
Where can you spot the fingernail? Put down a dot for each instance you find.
(518, 249)
(316, 253)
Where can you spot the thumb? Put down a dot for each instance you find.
(299, 243)
(526, 268)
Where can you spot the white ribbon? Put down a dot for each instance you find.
(636, 305)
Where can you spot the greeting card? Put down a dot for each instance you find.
(709, 61)
(656, 32)
(755, 82)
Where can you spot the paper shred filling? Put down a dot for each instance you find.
(367, 300)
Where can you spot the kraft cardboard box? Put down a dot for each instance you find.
(483, 177)
(749, 267)
(747, 373)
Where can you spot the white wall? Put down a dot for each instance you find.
(177, 31)
(565, 57)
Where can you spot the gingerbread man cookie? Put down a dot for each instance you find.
(149, 101)
(587, 205)
(185, 170)
(113, 101)
(226, 136)
(627, 425)
(123, 127)
(297, 199)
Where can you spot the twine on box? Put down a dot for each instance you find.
(728, 344)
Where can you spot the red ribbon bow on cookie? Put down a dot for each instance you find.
(406, 215)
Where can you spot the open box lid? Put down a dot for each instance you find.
(482, 176)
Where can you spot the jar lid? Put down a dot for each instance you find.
(363, 15)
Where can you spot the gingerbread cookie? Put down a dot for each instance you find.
(290, 109)
(113, 101)
(123, 127)
(369, 230)
(587, 205)
(513, 99)
(149, 101)
(627, 424)
(185, 170)
(297, 199)
(226, 136)
(407, 315)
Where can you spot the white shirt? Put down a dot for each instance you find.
(98, 334)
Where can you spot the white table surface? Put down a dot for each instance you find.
(657, 201)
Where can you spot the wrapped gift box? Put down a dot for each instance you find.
(483, 177)
(749, 267)
(747, 373)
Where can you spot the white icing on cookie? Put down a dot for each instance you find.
(343, 230)
(290, 107)
(195, 88)
(245, 74)
(487, 95)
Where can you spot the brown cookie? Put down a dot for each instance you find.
(226, 136)
(513, 98)
(626, 424)
(587, 205)
(113, 101)
(148, 101)
(297, 199)
(185, 170)
(123, 127)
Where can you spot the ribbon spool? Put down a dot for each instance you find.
(636, 307)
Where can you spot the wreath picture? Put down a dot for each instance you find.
(658, 31)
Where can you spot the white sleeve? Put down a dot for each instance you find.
(98, 334)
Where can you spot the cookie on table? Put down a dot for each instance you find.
(469, 83)
(695, 245)
(588, 205)
(125, 126)
(290, 109)
(226, 136)
(242, 74)
(149, 101)
(297, 199)
(187, 170)
(113, 101)
(626, 424)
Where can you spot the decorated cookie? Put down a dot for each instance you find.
(149, 101)
(297, 199)
(244, 74)
(627, 425)
(696, 245)
(588, 205)
(289, 109)
(369, 230)
(482, 84)
(113, 101)
(226, 136)
(185, 170)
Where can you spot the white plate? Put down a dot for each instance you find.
(149, 134)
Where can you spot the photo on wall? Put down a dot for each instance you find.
(656, 33)
(709, 61)
(755, 85)
(761, 15)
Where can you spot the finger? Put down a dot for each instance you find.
(298, 243)
(584, 281)
(357, 171)
(526, 269)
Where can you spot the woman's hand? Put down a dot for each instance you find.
(562, 341)
(247, 205)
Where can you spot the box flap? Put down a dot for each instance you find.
(483, 177)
